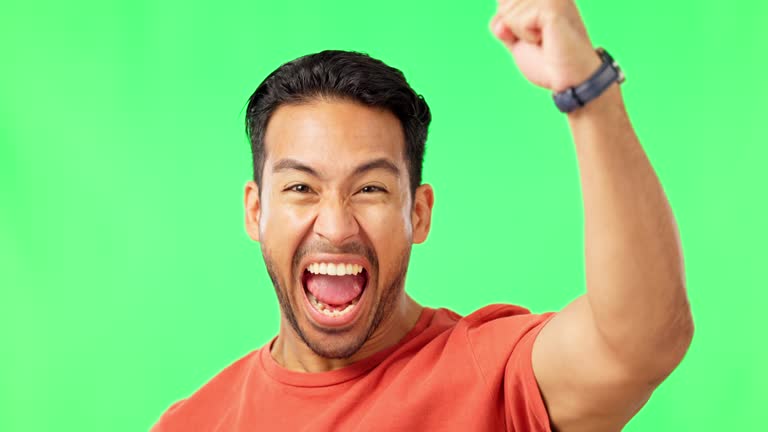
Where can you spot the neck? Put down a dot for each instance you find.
(290, 351)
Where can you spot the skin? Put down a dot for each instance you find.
(338, 211)
(599, 359)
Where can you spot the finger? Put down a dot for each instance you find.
(521, 20)
(500, 30)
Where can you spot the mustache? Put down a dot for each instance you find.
(316, 247)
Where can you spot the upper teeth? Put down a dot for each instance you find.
(335, 269)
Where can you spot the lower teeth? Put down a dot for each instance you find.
(325, 309)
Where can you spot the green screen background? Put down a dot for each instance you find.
(127, 279)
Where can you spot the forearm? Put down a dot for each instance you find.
(634, 267)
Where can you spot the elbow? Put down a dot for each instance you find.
(672, 348)
(682, 329)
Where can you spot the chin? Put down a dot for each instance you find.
(336, 347)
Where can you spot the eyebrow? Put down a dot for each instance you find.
(380, 163)
(293, 164)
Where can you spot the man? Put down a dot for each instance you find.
(336, 204)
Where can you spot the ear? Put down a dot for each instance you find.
(421, 214)
(252, 210)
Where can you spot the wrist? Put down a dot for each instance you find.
(609, 104)
(604, 76)
(579, 74)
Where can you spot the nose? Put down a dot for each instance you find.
(335, 222)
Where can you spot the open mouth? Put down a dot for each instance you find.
(334, 289)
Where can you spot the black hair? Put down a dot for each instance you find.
(344, 75)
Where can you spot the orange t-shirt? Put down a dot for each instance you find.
(449, 373)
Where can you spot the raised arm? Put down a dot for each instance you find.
(600, 358)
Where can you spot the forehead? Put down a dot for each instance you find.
(333, 132)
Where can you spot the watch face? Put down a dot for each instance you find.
(608, 58)
(621, 77)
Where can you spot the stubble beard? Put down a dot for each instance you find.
(383, 308)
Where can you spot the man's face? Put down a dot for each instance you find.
(335, 195)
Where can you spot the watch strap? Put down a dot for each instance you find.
(575, 97)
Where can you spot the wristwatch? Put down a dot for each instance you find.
(576, 97)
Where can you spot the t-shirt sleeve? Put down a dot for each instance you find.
(501, 338)
(161, 424)
(525, 409)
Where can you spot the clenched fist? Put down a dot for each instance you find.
(548, 41)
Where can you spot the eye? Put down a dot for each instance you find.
(371, 189)
(300, 188)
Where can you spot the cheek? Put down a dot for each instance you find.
(389, 232)
(389, 218)
(283, 228)
(384, 222)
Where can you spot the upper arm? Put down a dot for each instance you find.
(584, 385)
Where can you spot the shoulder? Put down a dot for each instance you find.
(209, 401)
(492, 333)
(479, 316)
(501, 338)
(507, 318)
(498, 341)
(496, 333)
(489, 319)
(496, 311)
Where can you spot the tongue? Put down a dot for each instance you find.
(335, 290)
